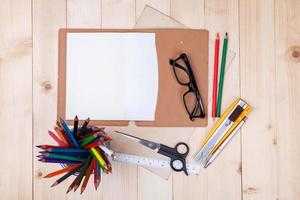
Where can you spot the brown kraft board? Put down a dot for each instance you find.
(170, 43)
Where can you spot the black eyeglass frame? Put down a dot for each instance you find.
(192, 87)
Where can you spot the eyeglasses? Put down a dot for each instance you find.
(191, 98)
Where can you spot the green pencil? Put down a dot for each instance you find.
(82, 172)
(221, 80)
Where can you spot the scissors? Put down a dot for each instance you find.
(176, 154)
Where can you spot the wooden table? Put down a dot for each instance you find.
(262, 162)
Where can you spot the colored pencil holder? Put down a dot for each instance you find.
(82, 151)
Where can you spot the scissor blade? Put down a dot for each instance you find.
(152, 145)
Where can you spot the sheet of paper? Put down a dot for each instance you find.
(111, 76)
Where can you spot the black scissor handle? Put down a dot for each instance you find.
(182, 149)
(178, 165)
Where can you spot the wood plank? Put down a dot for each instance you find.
(16, 99)
(161, 5)
(122, 183)
(258, 76)
(48, 17)
(151, 186)
(85, 14)
(190, 13)
(118, 14)
(287, 29)
(224, 175)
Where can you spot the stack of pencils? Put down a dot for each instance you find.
(82, 151)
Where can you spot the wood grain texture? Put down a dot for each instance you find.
(189, 12)
(224, 175)
(161, 5)
(84, 14)
(48, 17)
(118, 13)
(265, 72)
(16, 99)
(257, 59)
(287, 40)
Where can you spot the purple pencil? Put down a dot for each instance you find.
(53, 160)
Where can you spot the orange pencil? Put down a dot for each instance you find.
(61, 135)
(61, 171)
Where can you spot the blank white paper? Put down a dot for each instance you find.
(111, 76)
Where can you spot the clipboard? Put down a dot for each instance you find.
(170, 43)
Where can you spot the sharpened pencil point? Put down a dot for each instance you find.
(82, 190)
(69, 189)
(218, 36)
(226, 35)
(54, 184)
(75, 188)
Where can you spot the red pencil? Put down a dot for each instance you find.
(215, 80)
(59, 142)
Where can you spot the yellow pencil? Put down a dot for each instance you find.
(98, 157)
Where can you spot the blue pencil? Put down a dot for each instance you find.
(69, 133)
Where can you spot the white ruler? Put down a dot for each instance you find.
(151, 162)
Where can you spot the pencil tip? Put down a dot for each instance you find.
(54, 184)
(218, 36)
(69, 189)
(82, 189)
(226, 35)
(75, 188)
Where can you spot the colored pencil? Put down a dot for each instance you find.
(83, 127)
(72, 185)
(108, 164)
(64, 177)
(96, 143)
(46, 146)
(86, 122)
(222, 73)
(59, 142)
(62, 150)
(69, 133)
(88, 140)
(97, 175)
(87, 175)
(82, 172)
(63, 170)
(75, 128)
(100, 134)
(215, 79)
(86, 131)
(98, 158)
(106, 150)
(63, 157)
(61, 135)
(61, 161)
